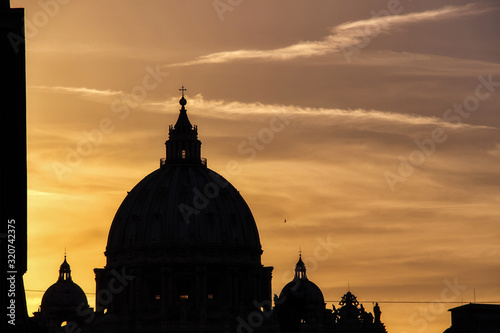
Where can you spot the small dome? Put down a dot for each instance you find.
(64, 293)
(300, 302)
(301, 290)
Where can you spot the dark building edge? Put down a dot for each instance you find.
(13, 170)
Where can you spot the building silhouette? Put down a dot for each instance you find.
(300, 307)
(188, 243)
(62, 304)
(475, 318)
(13, 173)
(301, 303)
(184, 255)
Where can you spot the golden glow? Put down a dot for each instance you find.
(353, 137)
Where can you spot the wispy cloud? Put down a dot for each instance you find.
(343, 36)
(389, 22)
(361, 117)
(79, 90)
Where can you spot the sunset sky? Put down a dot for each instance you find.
(372, 127)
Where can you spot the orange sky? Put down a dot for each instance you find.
(371, 126)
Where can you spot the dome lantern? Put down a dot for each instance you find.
(64, 271)
(183, 146)
(300, 269)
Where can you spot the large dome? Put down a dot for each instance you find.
(185, 247)
(182, 206)
(183, 209)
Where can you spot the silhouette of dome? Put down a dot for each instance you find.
(183, 250)
(64, 293)
(301, 289)
(300, 303)
(64, 301)
(183, 206)
(305, 291)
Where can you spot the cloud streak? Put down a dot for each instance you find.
(343, 36)
(225, 109)
(220, 108)
(79, 90)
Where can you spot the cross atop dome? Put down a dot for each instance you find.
(182, 90)
(182, 101)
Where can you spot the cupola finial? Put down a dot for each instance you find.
(182, 101)
(182, 90)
